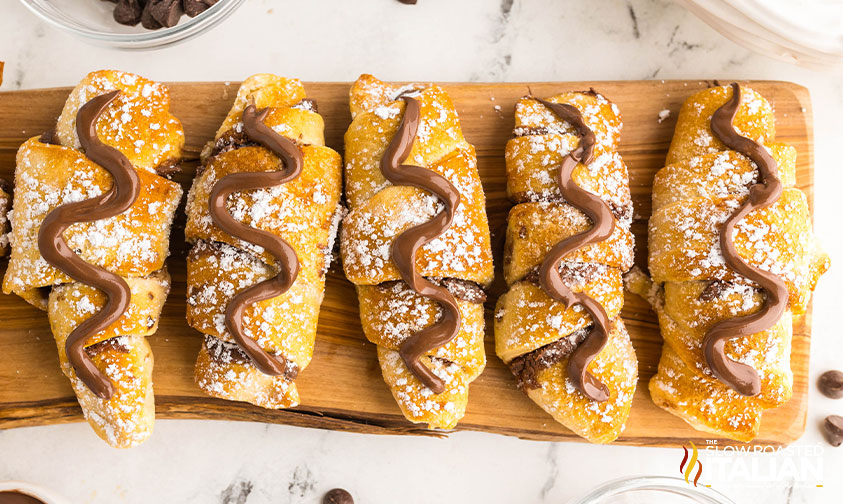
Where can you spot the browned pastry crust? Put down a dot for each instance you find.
(379, 211)
(693, 288)
(5, 206)
(534, 333)
(133, 245)
(304, 212)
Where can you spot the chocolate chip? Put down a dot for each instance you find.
(833, 427)
(338, 496)
(831, 384)
(147, 20)
(408, 2)
(128, 12)
(196, 7)
(166, 12)
(49, 137)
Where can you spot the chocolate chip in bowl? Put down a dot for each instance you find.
(133, 24)
(156, 14)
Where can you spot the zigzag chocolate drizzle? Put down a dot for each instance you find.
(122, 195)
(287, 262)
(406, 245)
(603, 224)
(743, 378)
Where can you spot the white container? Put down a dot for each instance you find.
(806, 32)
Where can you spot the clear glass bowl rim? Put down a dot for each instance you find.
(703, 495)
(143, 40)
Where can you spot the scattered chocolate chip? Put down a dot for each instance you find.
(338, 496)
(166, 12)
(408, 2)
(833, 427)
(831, 384)
(128, 12)
(195, 7)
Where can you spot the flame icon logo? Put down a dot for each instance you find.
(686, 470)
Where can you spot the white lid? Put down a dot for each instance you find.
(808, 32)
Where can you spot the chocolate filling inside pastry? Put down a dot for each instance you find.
(527, 367)
(464, 290)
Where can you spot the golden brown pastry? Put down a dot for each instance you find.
(262, 215)
(90, 233)
(725, 299)
(416, 245)
(568, 242)
(5, 206)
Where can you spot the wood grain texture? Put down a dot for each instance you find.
(342, 389)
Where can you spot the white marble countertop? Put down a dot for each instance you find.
(444, 40)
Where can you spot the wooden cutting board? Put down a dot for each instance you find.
(342, 389)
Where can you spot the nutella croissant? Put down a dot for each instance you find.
(90, 233)
(416, 244)
(568, 243)
(732, 258)
(263, 213)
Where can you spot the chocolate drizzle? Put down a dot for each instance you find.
(287, 263)
(122, 195)
(743, 378)
(406, 245)
(551, 279)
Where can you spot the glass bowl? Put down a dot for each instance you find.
(92, 21)
(47, 496)
(652, 490)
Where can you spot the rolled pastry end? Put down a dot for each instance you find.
(224, 371)
(390, 312)
(704, 402)
(121, 352)
(126, 419)
(598, 422)
(418, 403)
